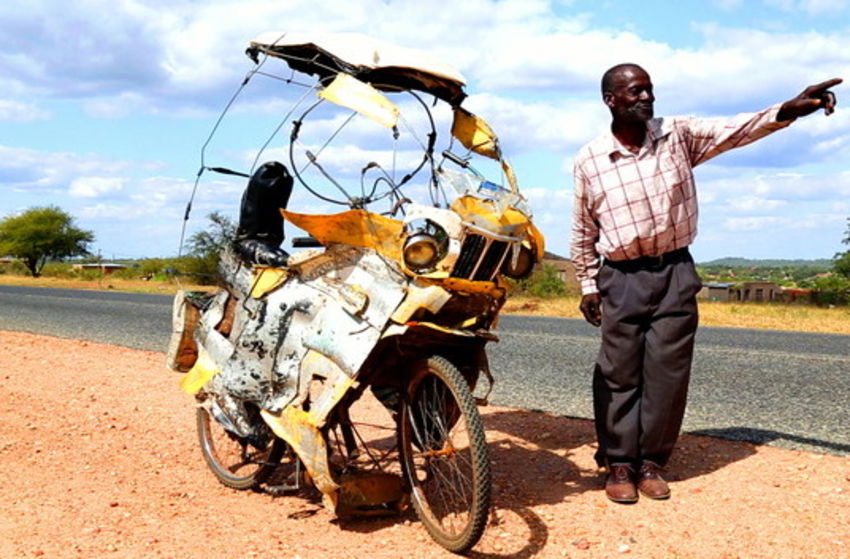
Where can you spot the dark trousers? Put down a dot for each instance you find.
(640, 382)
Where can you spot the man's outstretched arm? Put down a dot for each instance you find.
(811, 99)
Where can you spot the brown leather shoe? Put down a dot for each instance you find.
(620, 485)
(650, 483)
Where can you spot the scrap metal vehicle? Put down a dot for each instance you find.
(394, 304)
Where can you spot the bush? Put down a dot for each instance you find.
(59, 270)
(15, 268)
(544, 283)
(831, 290)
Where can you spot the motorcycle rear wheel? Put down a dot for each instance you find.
(234, 462)
(444, 455)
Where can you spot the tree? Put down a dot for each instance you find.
(40, 234)
(206, 246)
(841, 264)
(208, 243)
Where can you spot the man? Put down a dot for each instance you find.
(636, 210)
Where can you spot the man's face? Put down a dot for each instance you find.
(630, 98)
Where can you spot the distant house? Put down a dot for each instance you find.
(755, 291)
(716, 291)
(564, 267)
(105, 268)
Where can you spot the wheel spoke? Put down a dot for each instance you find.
(232, 459)
(444, 456)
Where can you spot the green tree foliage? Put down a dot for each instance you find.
(544, 283)
(205, 246)
(841, 264)
(40, 234)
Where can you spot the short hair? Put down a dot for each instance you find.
(608, 76)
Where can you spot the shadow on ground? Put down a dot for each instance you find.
(767, 436)
(535, 461)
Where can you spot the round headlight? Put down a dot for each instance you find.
(425, 246)
(421, 252)
(519, 265)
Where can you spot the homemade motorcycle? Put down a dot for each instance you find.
(396, 304)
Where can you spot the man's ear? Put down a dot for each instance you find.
(608, 99)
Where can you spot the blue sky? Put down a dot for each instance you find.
(104, 105)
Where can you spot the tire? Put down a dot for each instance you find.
(443, 453)
(234, 462)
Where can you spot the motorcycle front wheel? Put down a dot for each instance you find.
(235, 462)
(444, 456)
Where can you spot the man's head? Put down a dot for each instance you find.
(627, 90)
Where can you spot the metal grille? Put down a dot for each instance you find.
(480, 258)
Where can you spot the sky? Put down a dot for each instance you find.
(105, 106)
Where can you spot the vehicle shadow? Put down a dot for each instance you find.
(539, 458)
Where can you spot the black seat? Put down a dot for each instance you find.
(260, 231)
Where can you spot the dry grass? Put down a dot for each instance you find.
(772, 316)
(104, 284)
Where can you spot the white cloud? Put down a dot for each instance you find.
(16, 111)
(811, 7)
(183, 54)
(728, 5)
(30, 170)
(95, 187)
(754, 204)
(789, 187)
(523, 126)
(751, 223)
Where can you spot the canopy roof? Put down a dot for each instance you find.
(383, 65)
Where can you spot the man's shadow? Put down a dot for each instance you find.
(556, 438)
(766, 436)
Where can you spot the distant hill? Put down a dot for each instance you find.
(749, 263)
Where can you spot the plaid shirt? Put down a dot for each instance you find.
(630, 205)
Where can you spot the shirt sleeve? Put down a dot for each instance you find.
(585, 233)
(709, 137)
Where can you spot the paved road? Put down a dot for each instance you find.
(787, 389)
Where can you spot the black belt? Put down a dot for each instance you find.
(650, 262)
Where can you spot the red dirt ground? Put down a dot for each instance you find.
(101, 460)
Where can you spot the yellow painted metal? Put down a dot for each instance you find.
(509, 173)
(444, 329)
(469, 322)
(295, 426)
(200, 374)
(347, 91)
(475, 134)
(370, 494)
(420, 296)
(267, 280)
(468, 286)
(355, 228)
(537, 240)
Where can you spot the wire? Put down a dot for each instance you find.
(277, 129)
(331, 138)
(245, 80)
(293, 137)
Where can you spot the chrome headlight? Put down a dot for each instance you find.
(426, 244)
